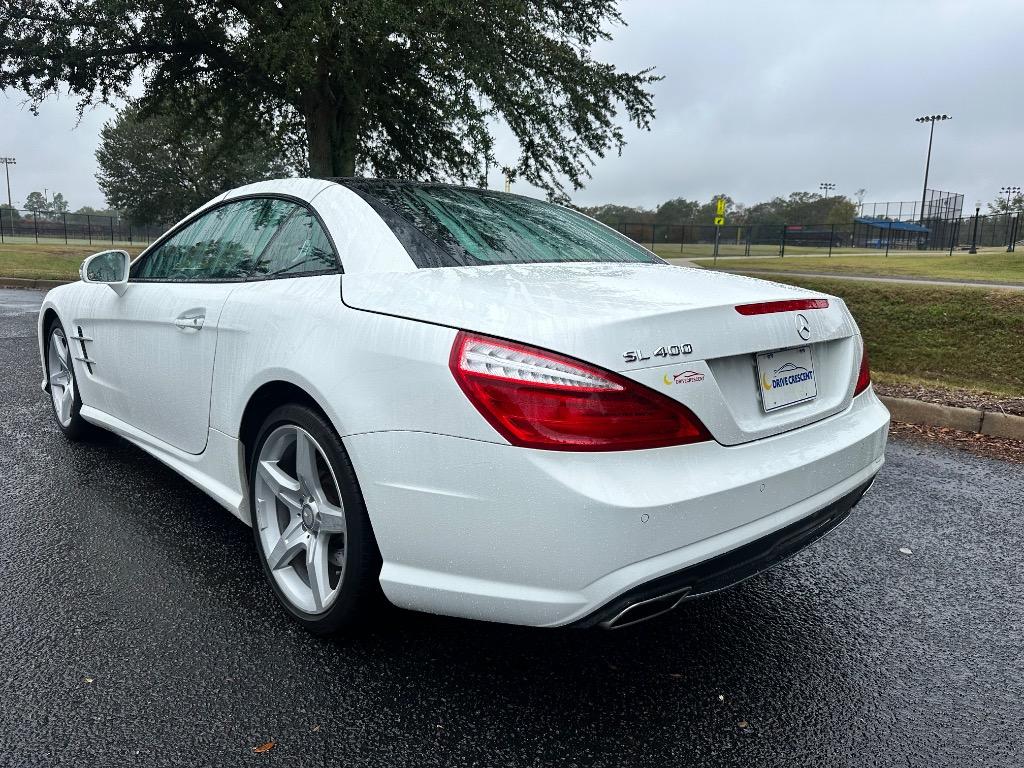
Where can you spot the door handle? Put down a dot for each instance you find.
(192, 323)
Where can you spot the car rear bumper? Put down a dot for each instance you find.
(493, 532)
(725, 570)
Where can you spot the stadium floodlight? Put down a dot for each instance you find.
(8, 162)
(932, 120)
(826, 187)
(1010, 193)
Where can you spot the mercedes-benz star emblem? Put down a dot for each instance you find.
(803, 328)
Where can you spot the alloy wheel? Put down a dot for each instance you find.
(61, 377)
(300, 519)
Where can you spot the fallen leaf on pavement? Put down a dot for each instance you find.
(264, 747)
(906, 550)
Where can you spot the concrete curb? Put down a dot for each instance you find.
(30, 283)
(990, 423)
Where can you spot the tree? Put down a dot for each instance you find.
(1001, 205)
(677, 211)
(392, 87)
(58, 204)
(88, 209)
(841, 211)
(613, 215)
(36, 203)
(159, 167)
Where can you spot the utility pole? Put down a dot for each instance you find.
(8, 162)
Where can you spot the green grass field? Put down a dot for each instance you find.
(48, 262)
(957, 337)
(992, 266)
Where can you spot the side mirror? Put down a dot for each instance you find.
(109, 267)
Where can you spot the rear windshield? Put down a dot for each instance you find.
(444, 226)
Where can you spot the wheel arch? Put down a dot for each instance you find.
(47, 317)
(265, 399)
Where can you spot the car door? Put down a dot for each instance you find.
(153, 349)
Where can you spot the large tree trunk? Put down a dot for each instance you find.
(332, 130)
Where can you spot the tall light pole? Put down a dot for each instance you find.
(826, 187)
(8, 162)
(1010, 193)
(933, 119)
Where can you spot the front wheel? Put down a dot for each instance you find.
(60, 377)
(310, 523)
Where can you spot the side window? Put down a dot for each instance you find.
(301, 247)
(220, 245)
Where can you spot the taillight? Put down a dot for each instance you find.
(787, 305)
(539, 399)
(864, 374)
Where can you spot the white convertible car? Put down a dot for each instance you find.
(477, 404)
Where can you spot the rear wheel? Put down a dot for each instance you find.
(310, 523)
(60, 376)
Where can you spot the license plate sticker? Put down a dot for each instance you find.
(786, 378)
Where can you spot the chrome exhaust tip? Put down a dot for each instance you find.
(643, 610)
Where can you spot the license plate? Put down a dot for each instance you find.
(786, 378)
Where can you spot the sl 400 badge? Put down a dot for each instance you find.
(672, 350)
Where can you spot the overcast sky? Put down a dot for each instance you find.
(759, 99)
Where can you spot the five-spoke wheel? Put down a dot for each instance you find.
(60, 378)
(300, 518)
(309, 520)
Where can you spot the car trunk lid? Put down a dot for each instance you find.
(674, 329)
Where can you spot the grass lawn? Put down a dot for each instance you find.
(48, 262)
(992, 266)
(957, 337)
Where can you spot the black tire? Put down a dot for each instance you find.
(359, 594)
(77, 428)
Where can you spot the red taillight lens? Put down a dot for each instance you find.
(539, 399)
(789, 305)
(864, 375)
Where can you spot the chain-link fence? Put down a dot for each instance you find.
(864, 237)
(21, 226)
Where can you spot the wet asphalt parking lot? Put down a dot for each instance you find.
(136, 630)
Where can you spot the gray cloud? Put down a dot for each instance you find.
(763, 98)
(51, 151)
(759, 99)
